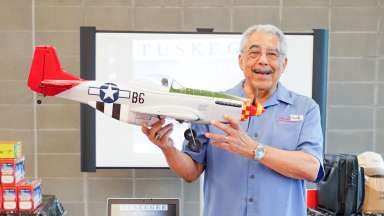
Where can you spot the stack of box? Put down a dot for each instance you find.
(17, 194)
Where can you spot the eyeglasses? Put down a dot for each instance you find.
(256, 51)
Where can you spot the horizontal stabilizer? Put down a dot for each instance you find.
(59, 83)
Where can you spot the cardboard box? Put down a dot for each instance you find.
(374, 195)
(10, 198)
(12, 171)
(10, 149)
(29, 194)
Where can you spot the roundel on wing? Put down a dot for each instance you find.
(109, 92)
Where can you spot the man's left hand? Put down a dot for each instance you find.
(235, 140)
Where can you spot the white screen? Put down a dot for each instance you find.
(143, 210)
(204, 61)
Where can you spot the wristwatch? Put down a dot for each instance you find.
(259, 152)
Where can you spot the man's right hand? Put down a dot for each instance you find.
(181, 163)
(159, 134)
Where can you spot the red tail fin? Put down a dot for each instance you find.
(45, 68)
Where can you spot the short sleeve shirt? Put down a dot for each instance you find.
(238, 186)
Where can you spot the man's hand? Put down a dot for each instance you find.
(235, 140)
(181, 163)
(158, 134)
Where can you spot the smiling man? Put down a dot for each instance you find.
(256, 167)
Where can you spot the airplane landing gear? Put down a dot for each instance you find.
(193, 143)
(189, 134)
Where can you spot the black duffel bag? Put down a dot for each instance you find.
(342, 189)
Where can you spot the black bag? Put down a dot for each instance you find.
(342, 189)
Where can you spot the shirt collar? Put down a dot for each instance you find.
(280, 94)
(283, 94)
(237, 90)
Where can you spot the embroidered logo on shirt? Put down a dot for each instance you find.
(292, 118)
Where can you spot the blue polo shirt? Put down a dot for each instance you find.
(237, 186)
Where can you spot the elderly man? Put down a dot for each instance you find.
(257, 167)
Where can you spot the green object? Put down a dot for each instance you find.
(205, 93)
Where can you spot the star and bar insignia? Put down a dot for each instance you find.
(108, 92)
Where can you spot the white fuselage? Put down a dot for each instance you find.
(138, 102)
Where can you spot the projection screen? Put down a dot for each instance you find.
(198, 60)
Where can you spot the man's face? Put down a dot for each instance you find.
(261, 61)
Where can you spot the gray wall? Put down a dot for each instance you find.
(50, 132)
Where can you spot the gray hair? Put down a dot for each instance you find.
(271, 29)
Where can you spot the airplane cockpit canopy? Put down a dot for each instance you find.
(165, 84)
(176, 85)
(158, 82)
(177, 88)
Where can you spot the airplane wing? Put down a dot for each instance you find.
(144, 114)
(178, 113)
(141, 118)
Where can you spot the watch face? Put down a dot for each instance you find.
(259, 153)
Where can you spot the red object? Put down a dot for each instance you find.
(9, 198)
(46, 75)
(12, 171)
(1, 198)
(29, 194)
(250, 109)
(312, 198)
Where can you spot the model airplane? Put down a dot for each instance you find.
(138, 101)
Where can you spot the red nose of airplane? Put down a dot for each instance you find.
(250, 109)
(257, 109)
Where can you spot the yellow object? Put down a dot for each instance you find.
(10, 149)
